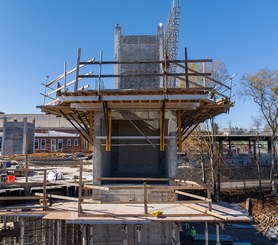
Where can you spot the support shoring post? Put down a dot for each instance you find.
(49, 231)
(125, 236)
(139, 238)
(108, 136)
(91, 230)
(65, 78)
(58, 233)
(206, 233)
(26, 174)
(84, 235)
(217, 235)
(179, 132)
(145, 198)
(91, 128)
(43, 227)
(186, 68)
(44, 188)
(72, 234)
(53, 232)
(80, 188)
(22, 230)
(77, 70)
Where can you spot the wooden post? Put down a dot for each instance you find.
(145, 198)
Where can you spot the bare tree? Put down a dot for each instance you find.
(257, 123)
(262, 87)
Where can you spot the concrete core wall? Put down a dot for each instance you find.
(134, 156)
(138, 48)
(18, 137)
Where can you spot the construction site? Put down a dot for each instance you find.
(135, 112)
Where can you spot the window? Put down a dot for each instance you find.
(60, 144)
(43, 144)
(75, 142)
(36, 144)
(53, 145)
(68, 142)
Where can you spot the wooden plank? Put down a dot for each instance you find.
(96, 187)
(194, 196)
(68, 198)
(158, 187)
(11, 198)
(133, 179)
(206, 211)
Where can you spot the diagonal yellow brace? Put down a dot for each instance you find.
(108, 136)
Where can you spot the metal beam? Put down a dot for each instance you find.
(135, 97)
(143, 75)
(92, 62)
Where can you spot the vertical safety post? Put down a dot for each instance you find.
(204, 77)
(80, 188)
(77, 70)
(186, 68)
(145, 198)
(65, 78)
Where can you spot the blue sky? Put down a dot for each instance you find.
(37, 37)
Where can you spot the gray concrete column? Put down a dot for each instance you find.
(25, 140)
(97, 148)
(139, 236)
(171, 148)
(117, 52)
(22, 231)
